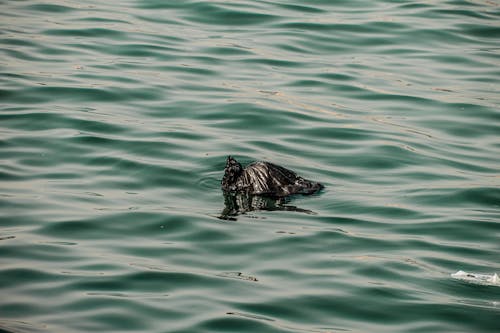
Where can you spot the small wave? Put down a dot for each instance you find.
(209, 183)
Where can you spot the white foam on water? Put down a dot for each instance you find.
(483, 279)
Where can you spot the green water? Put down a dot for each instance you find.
(115, 122)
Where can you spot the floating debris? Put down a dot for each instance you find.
(237, 275)
(483, 279)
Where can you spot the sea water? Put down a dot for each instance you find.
(115, 122)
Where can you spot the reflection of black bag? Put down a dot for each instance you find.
(240, 203)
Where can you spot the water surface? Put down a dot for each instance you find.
(115, 122)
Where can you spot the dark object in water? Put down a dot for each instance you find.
(266, 179)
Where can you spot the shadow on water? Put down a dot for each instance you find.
(240, 203)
